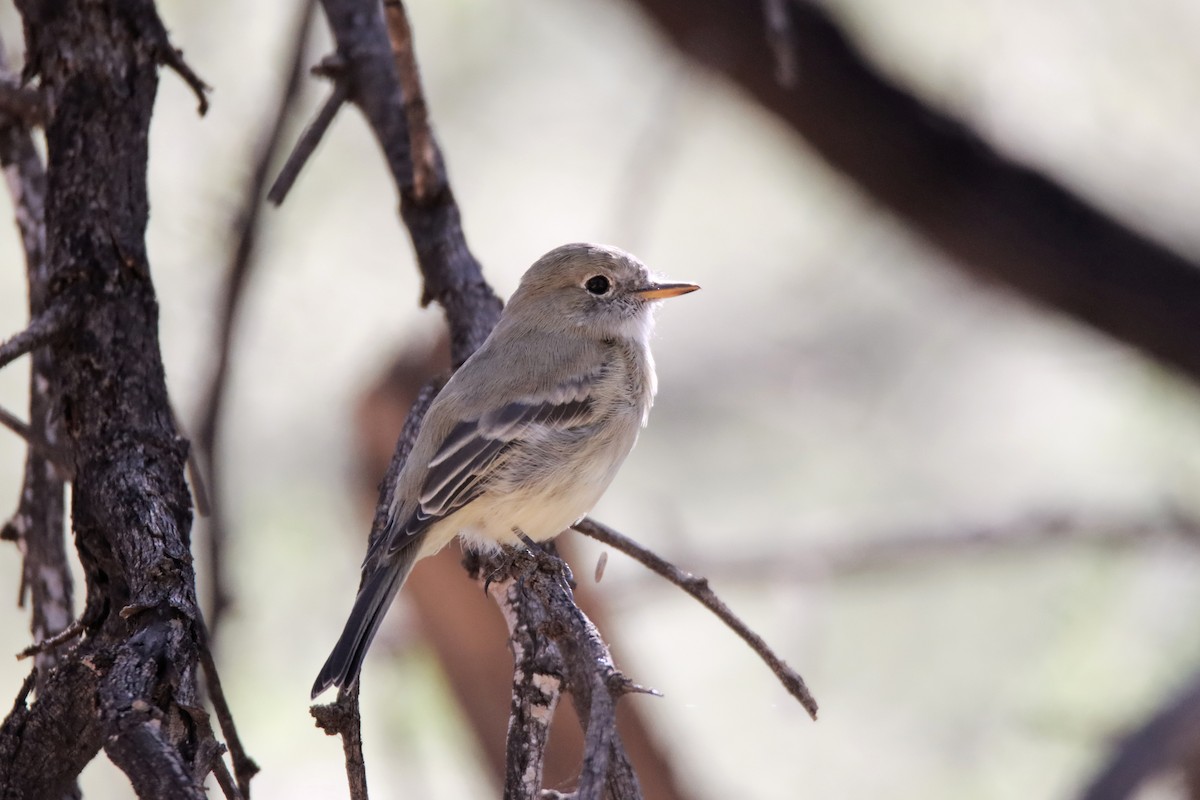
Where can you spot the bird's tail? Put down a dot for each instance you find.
(374, 598)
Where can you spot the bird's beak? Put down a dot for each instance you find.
(661, 291)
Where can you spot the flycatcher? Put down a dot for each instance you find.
(527, 434)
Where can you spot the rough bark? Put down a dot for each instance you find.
(130, 685)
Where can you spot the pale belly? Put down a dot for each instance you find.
(541, 511)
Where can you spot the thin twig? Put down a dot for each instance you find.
(57, 455)
(41, 330)
(242, 261)
(698, 588)
(226, 781)
(172, 58)
(212, 758)
(308, 142)
(344, 718)
(852, 553)
(423, 150)
(244, 767)
(61, 637)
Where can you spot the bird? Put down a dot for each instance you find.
(526, 435)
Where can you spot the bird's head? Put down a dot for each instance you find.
(600, 291)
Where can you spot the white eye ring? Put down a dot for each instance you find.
(598, 285)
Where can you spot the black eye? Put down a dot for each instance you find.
(597, 284)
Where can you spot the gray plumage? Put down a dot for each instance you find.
(527, 434)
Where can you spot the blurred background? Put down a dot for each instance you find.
(838, 384)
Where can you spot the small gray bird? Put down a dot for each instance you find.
(527, 434)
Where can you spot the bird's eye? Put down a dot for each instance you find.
(597, 285)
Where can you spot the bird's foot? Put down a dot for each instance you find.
(547, 558)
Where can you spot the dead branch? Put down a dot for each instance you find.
(533, 591)
(698, 588)
(996, 218)
(245, 224)
(57, 455)
(424, 150)
(1169, 739)
(172, 58)
(854, 553)
(307, 144)
(129, 686)
(537, 685)
(41, 330)
(37, 526)
(452, 275)
(343, 718)
(244, 767)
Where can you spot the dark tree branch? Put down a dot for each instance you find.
(427, 176)
(57, 456)
(996, 218)
(245, 226)
(452, 275)
(130, 684)
(864, 554)
(42, 329)
(538, 671)
(698, 588)
(307, 145)
(37, 526)
(535, 598)
(72, 631)
(1169, 739)
(135, 739)
(156, 34)
(244, 767)
(45, 745)
(453, 278)
(342, 718)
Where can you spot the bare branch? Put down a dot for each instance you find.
(41, 330)
(343, 718)
(698, 588)
(37, 526)
(57, 455)
(537, 683)
(307, 144)
(996, 218)
(62, 637)
(424, 152)
(242, 261)
(452, 275)
(130, 685)
(847, 554)
(535, 587)
(172, 58)
(244, 767)
(1168, 739)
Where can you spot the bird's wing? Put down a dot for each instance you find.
(458, 471)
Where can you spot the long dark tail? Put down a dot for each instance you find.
(372, 603)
